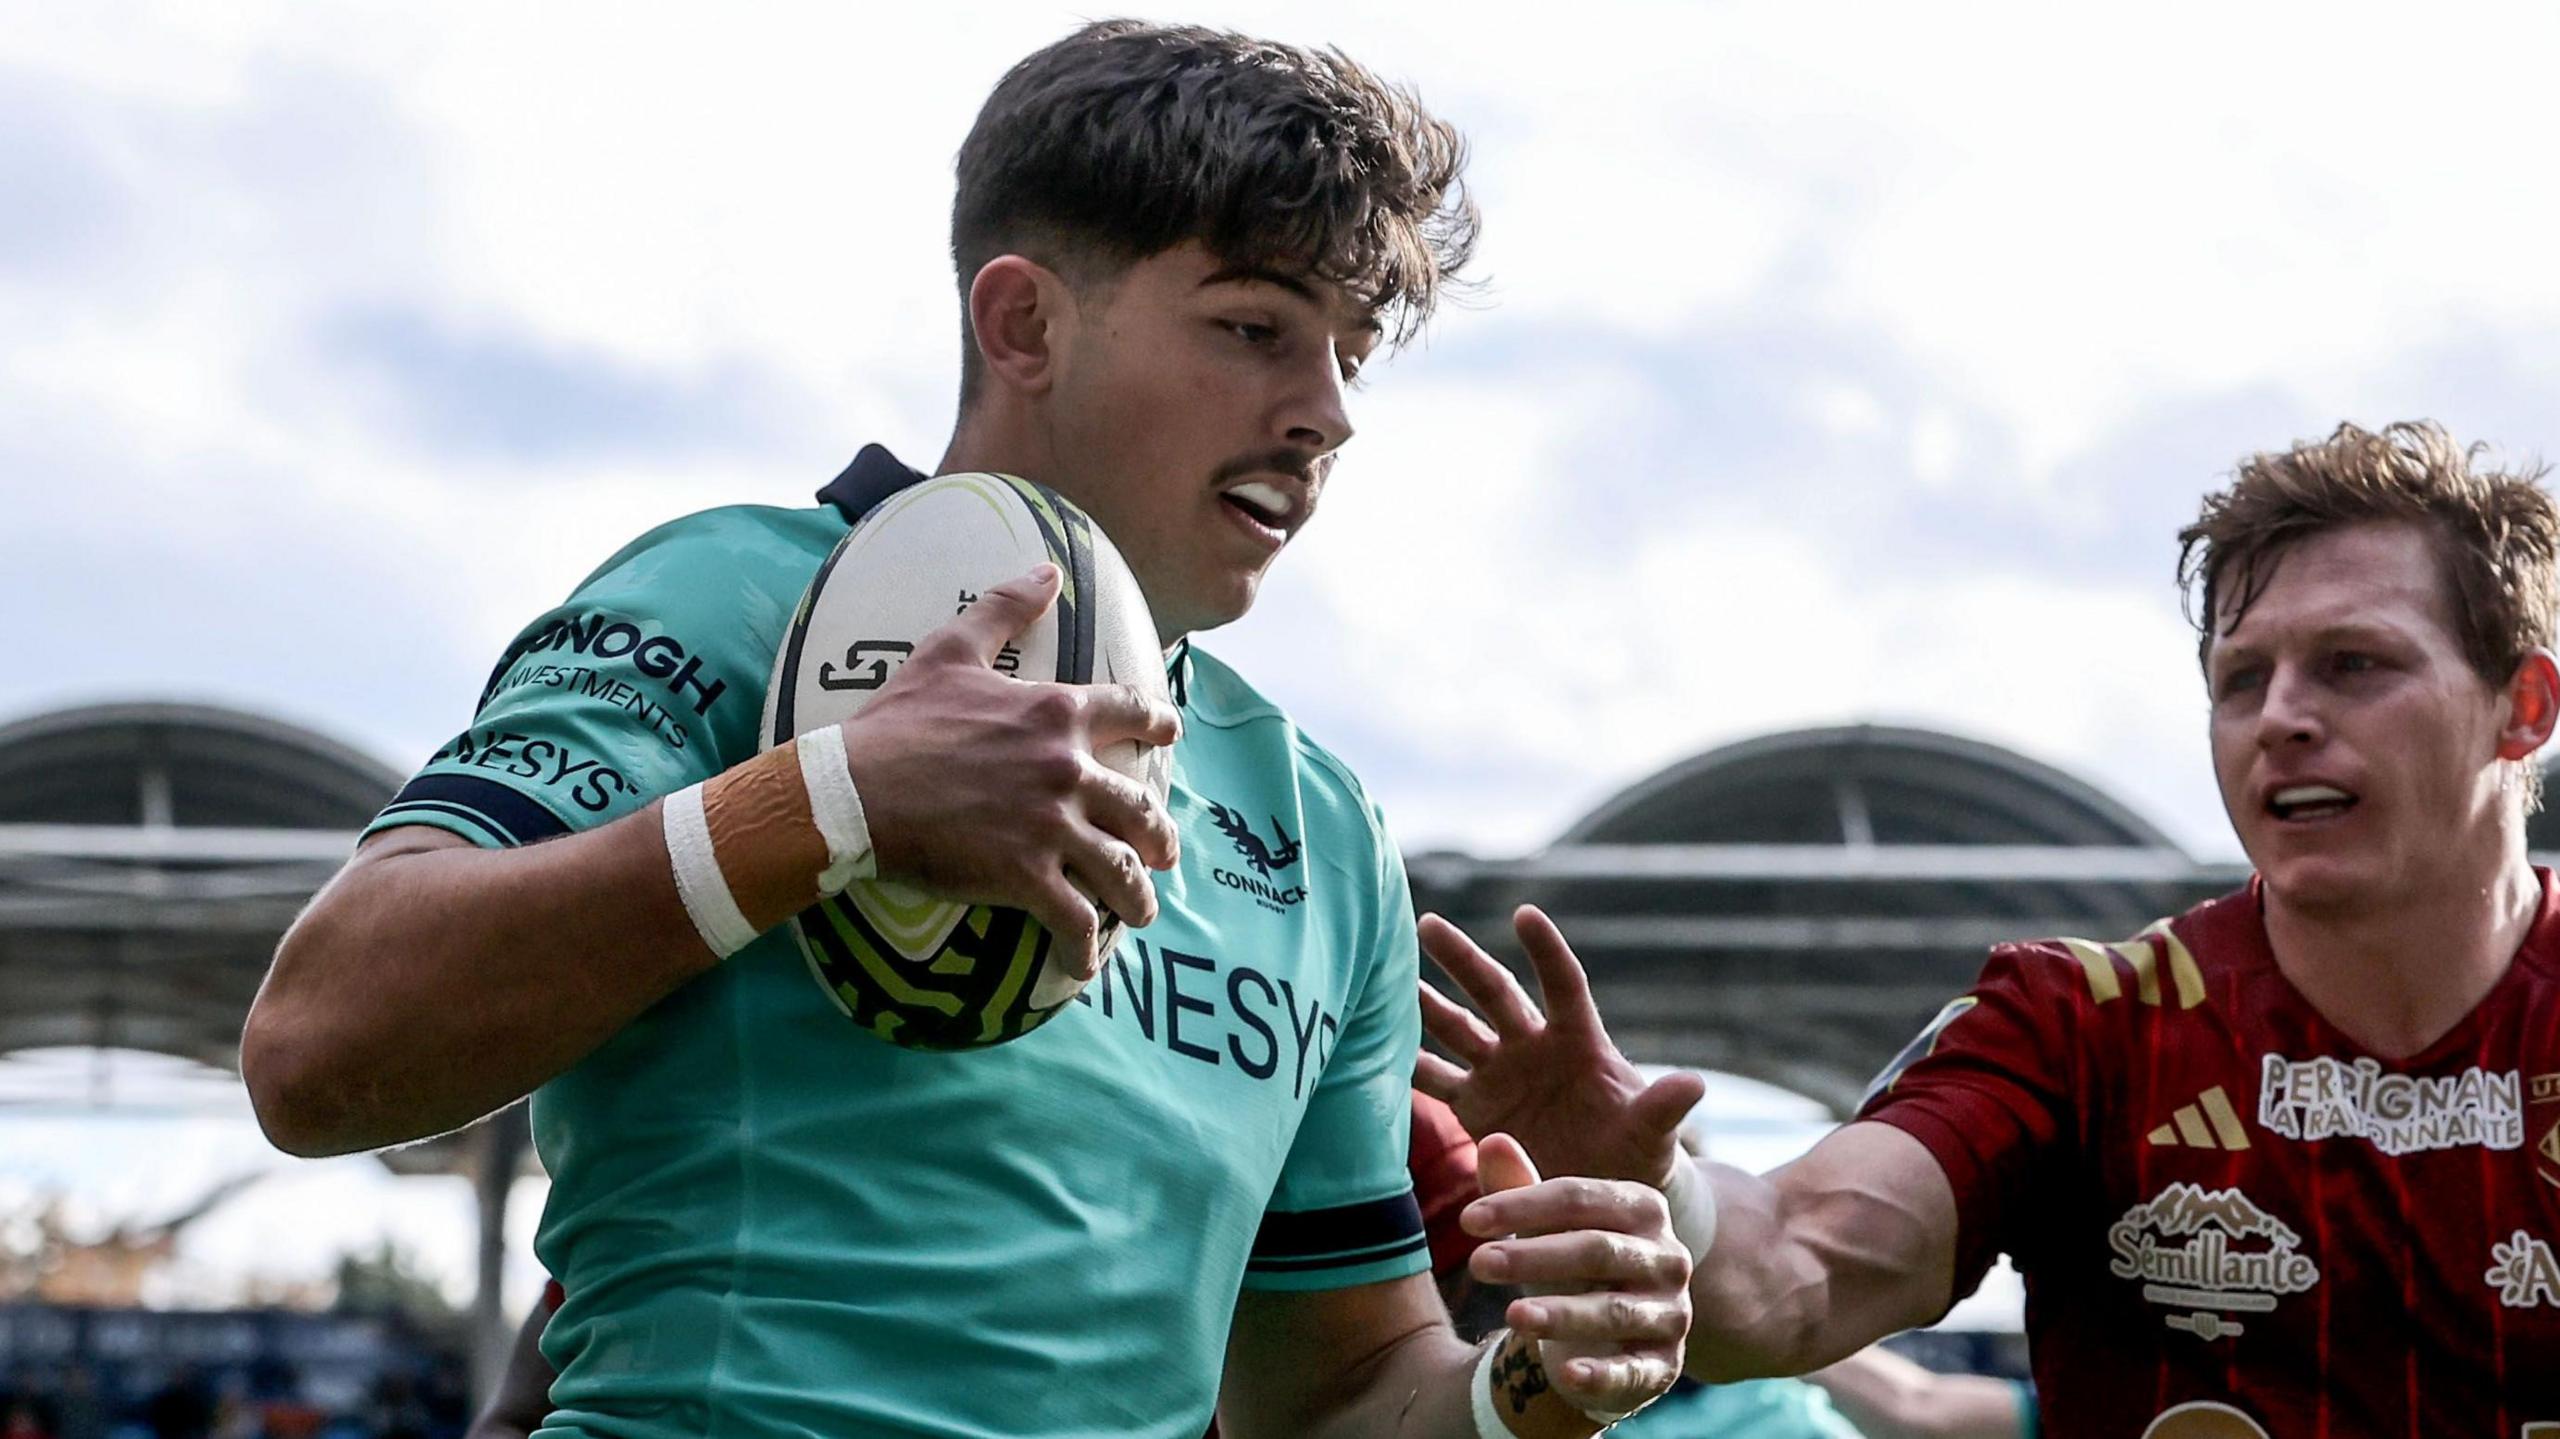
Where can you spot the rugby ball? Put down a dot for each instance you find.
(914, 969)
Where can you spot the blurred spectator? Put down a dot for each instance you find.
(181, 1408)
(77, 1412)
(22, 1420)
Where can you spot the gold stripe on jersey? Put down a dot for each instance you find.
(2093, 963)
(2209, 1123)
(2182, 965)
(2142, 956)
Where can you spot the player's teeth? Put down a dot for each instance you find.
(2305, 794)
(1265, 500)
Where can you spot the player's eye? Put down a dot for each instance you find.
(1252, 332)
(2352, 662)
(2239, 681)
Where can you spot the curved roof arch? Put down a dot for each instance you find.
(1863, 784)
(183, 765)
(151, 854)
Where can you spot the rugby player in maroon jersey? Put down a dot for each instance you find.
(2285, 1165)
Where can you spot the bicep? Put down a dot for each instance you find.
(1300, 1362)
(1872, 1207)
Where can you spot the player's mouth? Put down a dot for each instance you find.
(1269, 510)
(2308, 803)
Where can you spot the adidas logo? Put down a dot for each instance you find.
(2209, 1123)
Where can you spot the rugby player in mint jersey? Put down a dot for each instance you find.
(1175, 249)
(2285, 1165)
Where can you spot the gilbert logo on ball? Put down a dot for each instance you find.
(915, 970)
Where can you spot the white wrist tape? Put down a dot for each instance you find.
(1693, 1207)
(699, 883)
(837, 807)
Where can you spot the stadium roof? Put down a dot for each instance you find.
(150, 856)
(1795, 906)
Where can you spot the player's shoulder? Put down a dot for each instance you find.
(726, 548)
(697, 604)
(2173, 964)
(1215, 695)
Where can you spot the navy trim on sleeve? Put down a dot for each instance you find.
(1348, 1234)
(509, 814)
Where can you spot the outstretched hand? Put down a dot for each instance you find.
(1544, 1070)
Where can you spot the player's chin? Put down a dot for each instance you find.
(2320, 884)
(1223, 598)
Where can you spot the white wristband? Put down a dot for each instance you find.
(837, 807)
(699, 883)
(1693, 1207)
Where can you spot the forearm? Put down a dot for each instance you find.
(1889, 1397)
(1423, 1387)
(433, 983)
(1760, 1300)
(1822, 1257)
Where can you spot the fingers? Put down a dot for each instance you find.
(1124, 712)
(1583, 1259)
(1129, 812)
(1453, 1028)
(996, 619)
(1559, 1205)
(1502, 1164)
(1600, 1317)
(1438, 1078)
(1561, 981)
(1071, 921)
(1111, 874)
(1668, 1100)
(1480, 976)
(1619, 1383)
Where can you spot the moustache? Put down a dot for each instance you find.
(1307, 469)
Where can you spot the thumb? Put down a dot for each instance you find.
(1668, 1100)
(998, 617)
(1502, 1164)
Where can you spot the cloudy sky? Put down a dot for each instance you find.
(1838, 361)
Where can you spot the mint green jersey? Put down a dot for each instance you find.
(768, 1222)
(1750, 1409)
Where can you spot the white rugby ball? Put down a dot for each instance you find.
(916, 970)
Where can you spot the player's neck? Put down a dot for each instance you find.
(2396, 979)
(978, 444)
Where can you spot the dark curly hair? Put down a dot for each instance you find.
(1126, 139)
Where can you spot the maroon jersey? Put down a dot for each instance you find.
(2231, 1219)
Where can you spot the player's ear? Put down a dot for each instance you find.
(1018, 309)
(2533, 705)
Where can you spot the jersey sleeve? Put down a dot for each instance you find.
(650, 677)
(1987, 1088)
(1344, 1211)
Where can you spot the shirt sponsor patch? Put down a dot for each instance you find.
(2209, 1256)
(2328, 1098)
(2524, 1272)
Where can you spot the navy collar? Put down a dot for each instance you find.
(876, 474)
